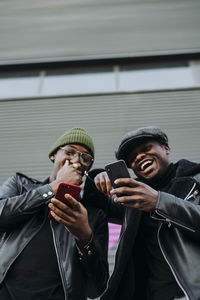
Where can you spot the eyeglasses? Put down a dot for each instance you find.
(85, 158)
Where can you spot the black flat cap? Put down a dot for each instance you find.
(133, 138)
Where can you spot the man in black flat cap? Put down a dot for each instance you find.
(159, 250)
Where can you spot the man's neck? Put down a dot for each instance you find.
(161, 181)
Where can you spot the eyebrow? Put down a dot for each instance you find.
(73, 147)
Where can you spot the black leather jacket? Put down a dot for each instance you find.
(178, 211)
(22, 201)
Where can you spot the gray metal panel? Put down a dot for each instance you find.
(28, 128)
(48, 30)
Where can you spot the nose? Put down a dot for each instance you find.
(75, 158)
(139, 157)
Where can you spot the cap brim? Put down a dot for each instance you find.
(125, 147)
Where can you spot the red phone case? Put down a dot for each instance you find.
(67, 188)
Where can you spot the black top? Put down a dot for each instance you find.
(161, 283)
(35, 273)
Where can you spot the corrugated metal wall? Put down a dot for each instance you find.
(48, 30)
(28, 128)
(43, 30)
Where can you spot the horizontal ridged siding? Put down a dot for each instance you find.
(28, 128)
(46, 30)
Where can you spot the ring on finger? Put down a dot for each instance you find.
(75, 166)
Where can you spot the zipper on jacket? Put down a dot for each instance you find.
(171, 268)
(170, 222)
(191, 194)
(118, 242)
(59, 263)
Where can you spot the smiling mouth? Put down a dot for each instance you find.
(145, 165)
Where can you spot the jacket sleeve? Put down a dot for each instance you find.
(181, 213)
(17, 203)
(94, 258)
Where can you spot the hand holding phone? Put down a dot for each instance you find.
(67, 188)
(115, 170)
(71, 213)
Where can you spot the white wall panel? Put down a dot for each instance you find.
(48, 30)
(28, 128)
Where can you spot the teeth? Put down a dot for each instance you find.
(145, 165)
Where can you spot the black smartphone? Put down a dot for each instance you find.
(117, 169)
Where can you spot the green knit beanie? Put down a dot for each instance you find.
(74, 136)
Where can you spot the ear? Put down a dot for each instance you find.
(167, 149)
(52, 157)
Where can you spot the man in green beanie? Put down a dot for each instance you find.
(49, 248)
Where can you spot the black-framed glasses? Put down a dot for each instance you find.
(85, 158)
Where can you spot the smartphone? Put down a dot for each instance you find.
(67, 188)
(117, 169)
